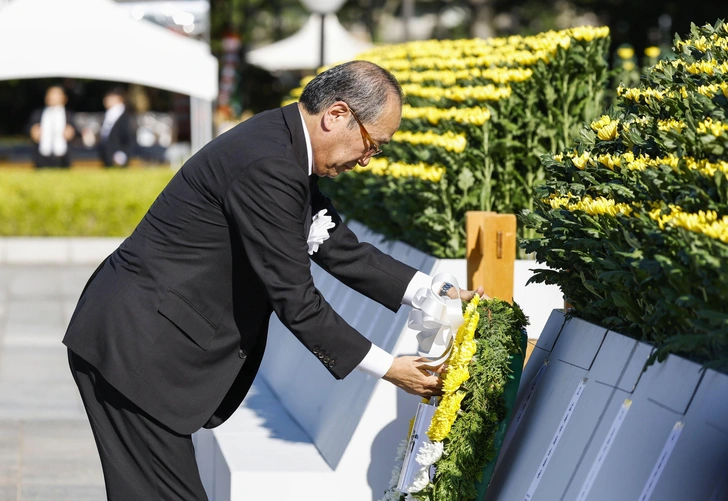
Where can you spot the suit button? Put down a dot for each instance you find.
(321, 356)
(316, 350)
(242, 354)
(331, 364)
(326, 359)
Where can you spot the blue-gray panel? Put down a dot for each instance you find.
(579, 434)
(635, 367)
(527, 448)
(578, 343)
(672, 383)
(551, 330)
(535, 361)
(699, 462)
(697, 466)
(634, 453)
(530, 380)
(610, 364)
(711, 401)
(600, 426)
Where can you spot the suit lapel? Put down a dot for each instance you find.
(298, 139)
(312, 180)
(293, 120)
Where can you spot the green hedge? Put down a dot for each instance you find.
(96, 203)
(635, 218)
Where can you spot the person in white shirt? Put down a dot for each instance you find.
(116, 138)
(51, 129)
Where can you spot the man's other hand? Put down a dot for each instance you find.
(466, 296)
(414, 376)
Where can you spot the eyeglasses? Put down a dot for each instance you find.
(374, 148)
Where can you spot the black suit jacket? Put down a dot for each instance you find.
(120, 138)
(177, 317)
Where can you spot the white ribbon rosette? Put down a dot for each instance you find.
(319, 230)
(436, 319)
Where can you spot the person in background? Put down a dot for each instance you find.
(51, 128)
(116, 138)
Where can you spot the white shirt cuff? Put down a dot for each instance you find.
(419, 281)
(377, 362)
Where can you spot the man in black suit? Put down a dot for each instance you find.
(116, 137)
(170, 330)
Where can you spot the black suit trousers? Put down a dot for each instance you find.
(142, 459)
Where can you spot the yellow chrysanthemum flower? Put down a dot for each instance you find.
(448, 140)
(625, 52)
(581, 161)
(708, 126)
(609, 161)
(653, 52)
(608, 132)
(445, 416)
(705, 222)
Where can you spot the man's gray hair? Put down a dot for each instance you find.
(364, 86)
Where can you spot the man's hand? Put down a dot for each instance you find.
(466, 296)
(413, 375)
(35, 133)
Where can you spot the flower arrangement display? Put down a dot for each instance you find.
(634, 218)
(477, 117)
(468, 426)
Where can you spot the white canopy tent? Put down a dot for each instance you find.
(97, 39)
(302, 50)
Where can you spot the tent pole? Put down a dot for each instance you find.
(323, 39)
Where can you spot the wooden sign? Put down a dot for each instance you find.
(491, 252)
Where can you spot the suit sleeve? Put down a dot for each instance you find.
(128, 140)
(267, 204)
(359, 265)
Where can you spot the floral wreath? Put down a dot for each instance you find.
(468, 423)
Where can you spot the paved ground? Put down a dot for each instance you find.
(47, 451)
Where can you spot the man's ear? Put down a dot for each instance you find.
(335, 115)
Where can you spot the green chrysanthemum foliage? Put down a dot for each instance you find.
(634, 220)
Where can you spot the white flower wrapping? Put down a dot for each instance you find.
(319, 231)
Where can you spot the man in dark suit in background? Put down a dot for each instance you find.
(51, 128)
(170, 331)
(116, 137)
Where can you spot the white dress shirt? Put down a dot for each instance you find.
(377, 362)
(52, 130)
